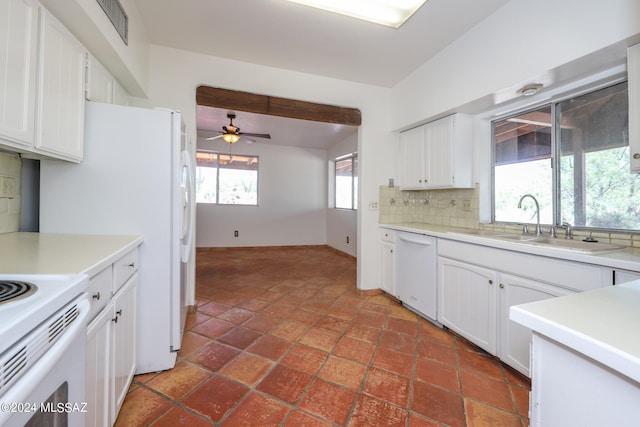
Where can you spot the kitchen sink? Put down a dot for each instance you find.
(575, 245)
(551, 242)
(517, 237)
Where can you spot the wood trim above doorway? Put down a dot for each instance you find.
(274, 106)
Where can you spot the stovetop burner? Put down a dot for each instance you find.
(12, 290)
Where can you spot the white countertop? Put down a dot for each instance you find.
(39, 253)
(625, 259)
(601, 324)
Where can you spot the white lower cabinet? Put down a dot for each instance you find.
(111, 342)
(474, 299)
(467, 301)
(123, 337)
(98, 369)
(387, 261)
(514, 338)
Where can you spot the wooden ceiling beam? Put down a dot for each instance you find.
(274, 106)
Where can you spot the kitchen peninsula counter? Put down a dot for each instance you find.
(44, 253)
(585, 357)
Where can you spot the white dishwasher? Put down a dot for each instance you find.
(416, 272)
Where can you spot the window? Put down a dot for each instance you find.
(346, 182)
(584, 139)
(226, 179)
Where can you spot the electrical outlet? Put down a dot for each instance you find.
(373, 206)
(466, 205)
(7, 187)
(235, 233)
(347, 239)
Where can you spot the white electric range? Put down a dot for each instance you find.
(43, 349)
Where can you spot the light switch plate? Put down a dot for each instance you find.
(7, 187)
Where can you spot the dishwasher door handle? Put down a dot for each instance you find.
(416, 241)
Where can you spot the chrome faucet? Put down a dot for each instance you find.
(569, 233)
(538, 230)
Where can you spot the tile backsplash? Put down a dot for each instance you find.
(459, 208)
(456, 208)
(10, 167)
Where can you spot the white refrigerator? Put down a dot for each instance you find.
(136, 178)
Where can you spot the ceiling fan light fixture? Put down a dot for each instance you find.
(384, 12)
(231, 138)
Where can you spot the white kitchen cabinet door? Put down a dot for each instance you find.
(467, 301)
(439, 143)
(60, 118)
(120, 94)
(18, 56)
(387, 264)
(123, 354)
(100, 83)
(412, 159)
(633, 70)
(450, 152)
(98, 369)
(515, 339)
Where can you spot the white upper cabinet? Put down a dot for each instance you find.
(438, 154)
(412, 168)
(18, 49)
(633, 58)
(60, 119)
(102, 86)
(42, 70)
(99, 82)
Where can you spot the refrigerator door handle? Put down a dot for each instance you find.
(188, 200)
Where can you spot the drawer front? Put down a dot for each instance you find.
(387, 235)
(99, 291)
(124, 268)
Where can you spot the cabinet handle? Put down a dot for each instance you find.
(118, 314)
(132, 265)
(501, 286)
(96, 296)
(636, 156)
(490, 282)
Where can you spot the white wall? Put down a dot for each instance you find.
(523, 42)
(341, 223)
(292, 192)
(175, 74)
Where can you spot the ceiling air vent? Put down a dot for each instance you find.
(118, 17)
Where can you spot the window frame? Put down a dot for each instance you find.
(552, 101)
(354, 159)
(217, 168)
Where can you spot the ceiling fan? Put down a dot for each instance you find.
(232, 134)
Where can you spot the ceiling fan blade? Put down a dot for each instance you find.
(248, 140)
(213, 137)
(256, 135)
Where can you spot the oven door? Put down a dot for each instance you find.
(52, 391)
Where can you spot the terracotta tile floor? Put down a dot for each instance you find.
(281, 338)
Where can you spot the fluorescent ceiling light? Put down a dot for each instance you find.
(392, 13)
